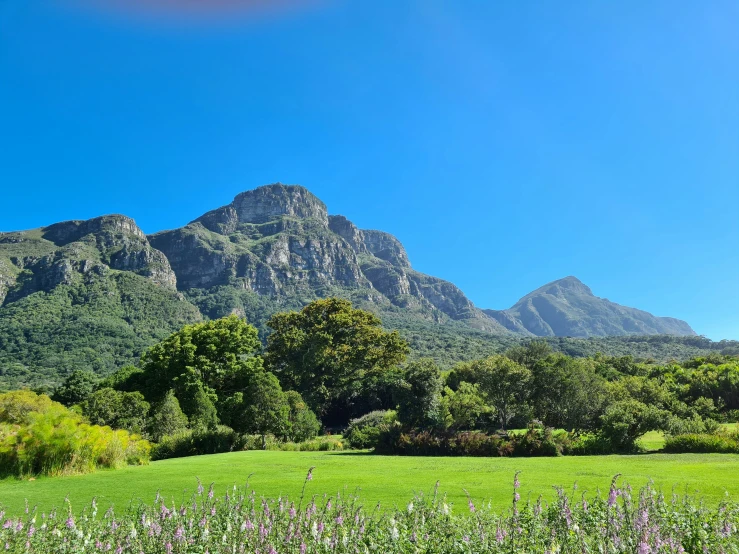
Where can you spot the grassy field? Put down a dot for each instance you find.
(390, 480)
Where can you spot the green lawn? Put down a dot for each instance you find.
(391, 480)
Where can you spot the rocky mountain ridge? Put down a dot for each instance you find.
(279, 242)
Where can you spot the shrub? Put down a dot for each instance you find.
(702, 443)
(625, 421)
(364, 432)
(692, 426)
(167, 418)
(535, 442)
(589, 444)
(318, 444)
(201, 441)
(302, 422)
(539, 441)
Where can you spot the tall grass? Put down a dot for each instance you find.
(40, 437)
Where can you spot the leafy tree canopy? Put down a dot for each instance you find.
(328, 346)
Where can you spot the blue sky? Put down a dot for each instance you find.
(507, 144)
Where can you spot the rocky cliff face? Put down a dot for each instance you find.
(279, 241)
(42, 259)
(568, 308)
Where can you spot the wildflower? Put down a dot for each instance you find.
(471, 506)
(339, 520)
(70, 523)
(410, 507)
(394, 533)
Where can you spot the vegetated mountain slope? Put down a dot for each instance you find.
(89, 294)
(568, 308)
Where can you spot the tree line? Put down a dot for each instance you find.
(329, 364)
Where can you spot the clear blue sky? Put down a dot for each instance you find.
(507, 144)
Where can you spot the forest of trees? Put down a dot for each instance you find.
(212, 387)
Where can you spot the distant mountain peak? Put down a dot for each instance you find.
(567, 307)
(566, 285)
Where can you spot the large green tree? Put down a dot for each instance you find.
(261, 409)
(76, 387)
(327, 347)
(420, 405)
(505, 385)
(568, 393)
(204, 364)
(119, 410)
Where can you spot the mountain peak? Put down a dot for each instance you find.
(70, 231)
(269, 201)
(566, 285)
(567, 307)
(263, 204)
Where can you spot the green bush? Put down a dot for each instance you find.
(589, 444)
(702, 443)
(535, 442)
(202, 441)
(691, 426)
(364, 432)
(539, 441)
(318, 444)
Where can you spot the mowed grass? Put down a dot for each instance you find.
(389, 480)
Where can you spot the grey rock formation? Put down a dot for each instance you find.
(279, 241)
(43, 259)
(568, 308)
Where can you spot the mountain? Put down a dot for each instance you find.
(568, 308)
(279, 242)
(95, 294)
(90, 294)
